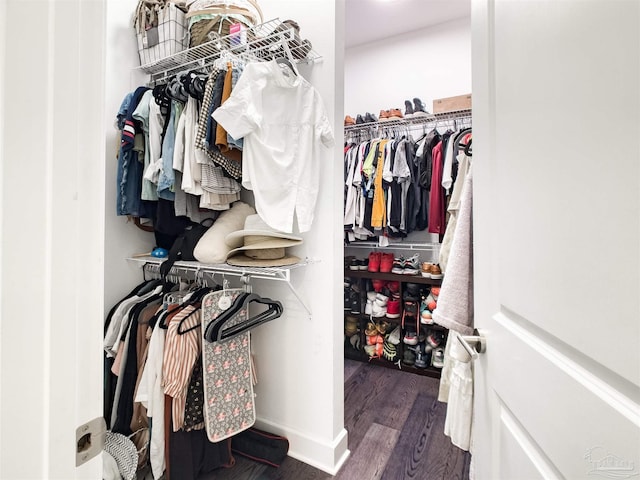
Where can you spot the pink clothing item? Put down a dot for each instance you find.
(117, 363)
(180, 354)
(437, 203)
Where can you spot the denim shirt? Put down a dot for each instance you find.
(130, 170)
(166, 179)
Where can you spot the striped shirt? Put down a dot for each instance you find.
(180, 354)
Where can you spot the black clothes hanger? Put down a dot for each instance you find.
(271, 313)
(216, 332)
(196, 300)
(467, 148)
(162, 99)
(180, 330)
(175, 90)
(193, 300)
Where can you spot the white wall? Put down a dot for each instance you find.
(122, 237)
(300, 359)
(429, 64)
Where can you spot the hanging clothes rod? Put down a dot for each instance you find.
(283, 274)
(264, 42)
(431, 118)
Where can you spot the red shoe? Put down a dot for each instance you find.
(378, 284)
(386, 262)
(393, 309)
(374, 261)
(393, 287)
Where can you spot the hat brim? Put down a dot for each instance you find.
(234, 238)
(242, 260)
(270, 243)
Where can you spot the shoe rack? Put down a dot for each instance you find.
(363, 278)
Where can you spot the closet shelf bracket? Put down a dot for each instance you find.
(282, 274)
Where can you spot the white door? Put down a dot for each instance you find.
(556, 102)
(51, 235)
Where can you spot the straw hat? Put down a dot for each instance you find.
(259, 245)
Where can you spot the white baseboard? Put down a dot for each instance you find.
(328, 457)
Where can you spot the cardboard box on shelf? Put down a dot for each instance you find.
(451, 104)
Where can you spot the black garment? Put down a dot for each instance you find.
(414, 200)
(167, 225)
(124, 408)
(216, 100)
(395, 215)
(191, 453)
(425, 166)
(368, 201)
(110, 380)
(194, 403)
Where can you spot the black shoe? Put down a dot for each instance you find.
(359, 119)
(409, 356)
(347, 298)
(419, 108)
(408, 112)
(421, 358)
(370, 118)
(355, 302)
(413, 289)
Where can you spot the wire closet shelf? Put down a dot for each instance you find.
(455, 115)
(245, 273)
(264, 42)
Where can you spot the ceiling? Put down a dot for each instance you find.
(371, 20)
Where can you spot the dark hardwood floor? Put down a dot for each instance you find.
(395, 426)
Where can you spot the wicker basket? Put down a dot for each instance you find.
(207, 17)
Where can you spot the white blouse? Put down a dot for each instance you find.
(282, 119)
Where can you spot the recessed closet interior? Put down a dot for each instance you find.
(426, 61)
(304, 407)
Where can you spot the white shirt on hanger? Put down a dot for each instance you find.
(141, 113)
(282, 119)
(192, 170)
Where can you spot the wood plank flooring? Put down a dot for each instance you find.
(395, 426)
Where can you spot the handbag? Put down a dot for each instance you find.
(184, 245)
(260, 446)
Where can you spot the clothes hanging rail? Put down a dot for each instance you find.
(264, 42)
(245, 273)
(431, 118)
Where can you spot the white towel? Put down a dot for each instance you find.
(455, 302)
(455, 312)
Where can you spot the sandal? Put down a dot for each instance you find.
(382, 326)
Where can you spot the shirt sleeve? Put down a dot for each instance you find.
(322, 125)
(241, 113)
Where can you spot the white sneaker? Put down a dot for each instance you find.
(437, 357)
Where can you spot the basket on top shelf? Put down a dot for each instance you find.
(161, 29)
(207, 18)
